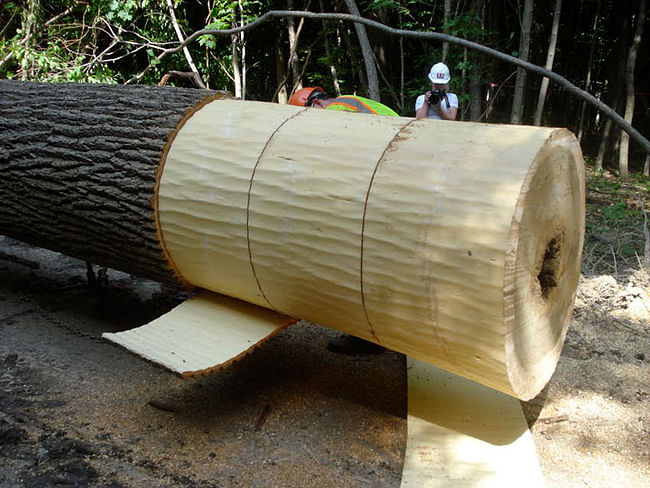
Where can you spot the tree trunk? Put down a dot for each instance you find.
(445, 20)
(236, 68)
(294, 62)
(475, 79)
(549, 62)
(590, 63)
(366, 50)
(280, 79)
(629, 85)
(602, 147)
(328, 53)
(242, 42)
(78, 167)
(186, 51)
(619, 96)
(518, 98)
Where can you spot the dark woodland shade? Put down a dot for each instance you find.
(78, 165)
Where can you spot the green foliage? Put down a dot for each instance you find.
(614, 236)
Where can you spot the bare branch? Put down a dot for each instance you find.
(186, 51)
(436, 36)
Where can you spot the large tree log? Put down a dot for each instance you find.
(78, 165)
(458, 244)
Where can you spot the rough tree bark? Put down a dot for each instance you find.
(78, 162)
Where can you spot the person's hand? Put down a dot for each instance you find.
(427, 96)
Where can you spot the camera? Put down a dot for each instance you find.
(436, 96)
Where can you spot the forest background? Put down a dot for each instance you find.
(598, 45)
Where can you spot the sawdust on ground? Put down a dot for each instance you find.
(77, 411)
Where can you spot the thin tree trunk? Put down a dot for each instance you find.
(346, 44)
(401, 71)
(629, 85)
(242, 40)
(550, 56)
(236, 66)
(30, 24)
(92, 153)
(445, 30)
(280, 79)
(475, 80)
(186, 51)
(590, 62)
(519, 98)
(328, 53)
(366, 50)
(294, 62)
(602, 148)
(617, 103)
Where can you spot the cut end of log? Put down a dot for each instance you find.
(543, 266)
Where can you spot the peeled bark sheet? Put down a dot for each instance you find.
(464, 435)
(458, 244)
(204, 333)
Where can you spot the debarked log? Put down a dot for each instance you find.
(458, 244)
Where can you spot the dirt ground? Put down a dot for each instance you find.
(78, 411)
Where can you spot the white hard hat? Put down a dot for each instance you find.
(439, 74)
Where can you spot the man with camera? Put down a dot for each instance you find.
(437, 103)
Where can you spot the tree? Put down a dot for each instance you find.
(366, 50)
(629, 85)
(136, 42)
(518, 98)
(186, 51)
(550, 56)
(294, 62)
(590, 64)
(446, 17)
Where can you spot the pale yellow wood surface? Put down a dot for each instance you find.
(427, 237)
(204, 333)
(464, 435)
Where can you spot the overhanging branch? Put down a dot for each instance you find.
(435, 36)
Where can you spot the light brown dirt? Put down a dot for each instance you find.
(78, 411)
